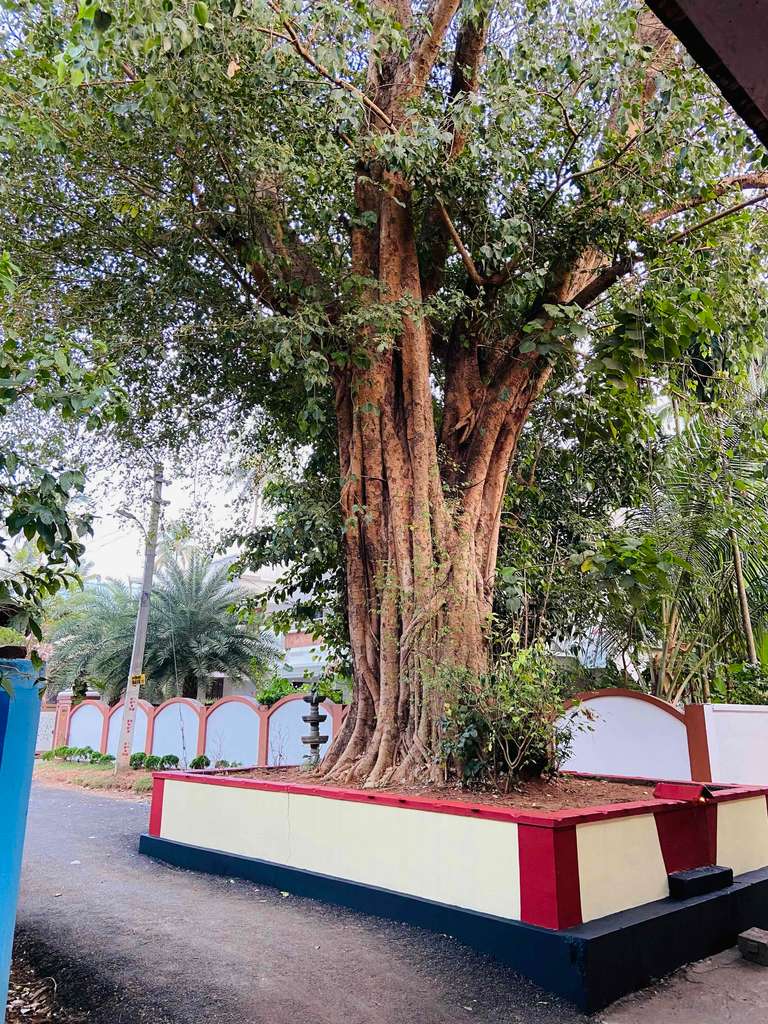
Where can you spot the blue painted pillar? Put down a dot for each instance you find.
(19, 716)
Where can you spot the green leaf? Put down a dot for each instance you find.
(201, 12)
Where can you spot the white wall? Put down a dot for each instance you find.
(628, 736)
(233, 733)
(45, 731)
(286, 729)
(139, 731)
(176, 732)
(85, 725)
(737, 736)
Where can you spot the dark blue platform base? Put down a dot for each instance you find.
(590, 965)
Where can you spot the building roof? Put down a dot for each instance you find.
(729, 40)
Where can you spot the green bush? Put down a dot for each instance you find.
(739, 683)
(106, 759)
(499, 726)
(168, 761)
(137, 760)
(62, 752)
(48, 755)
(152, 763)
(278, 687)
(201, 761)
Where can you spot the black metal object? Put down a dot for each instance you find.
(314, 740)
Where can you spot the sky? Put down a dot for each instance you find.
(117, 547)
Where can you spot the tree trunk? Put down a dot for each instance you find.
(421, 529)
(741, 590)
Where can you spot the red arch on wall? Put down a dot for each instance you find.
(196, 706)
(236, 698)
(620, 691)
(103, 710)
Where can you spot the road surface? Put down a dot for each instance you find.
(138, 941)
(132, 941)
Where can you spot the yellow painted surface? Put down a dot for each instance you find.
(620, 865)
(250, 822)
(464, 862)
(742, 834)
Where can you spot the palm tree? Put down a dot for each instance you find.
(688, 567)
(192, 632)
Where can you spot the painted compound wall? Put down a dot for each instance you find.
(623, 733)
(45, 729)
(235, 729)
(552, 869)
(454, 860)
(141, 726)
(626, 733)
(737, 742)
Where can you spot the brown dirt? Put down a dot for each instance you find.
(557, 794)
(33, 999)
(102, 778)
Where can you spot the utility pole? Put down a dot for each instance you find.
(135, 677)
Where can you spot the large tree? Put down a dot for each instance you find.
(411, 213)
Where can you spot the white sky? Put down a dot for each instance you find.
(117, 546)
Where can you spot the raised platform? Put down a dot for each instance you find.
(577, 900)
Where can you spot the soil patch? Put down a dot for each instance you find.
(101, 778)
(561, 793)
(34, 999)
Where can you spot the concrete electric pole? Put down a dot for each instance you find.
(135, 677)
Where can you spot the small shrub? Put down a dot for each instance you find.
(142, 785)
(222, 764)
(274, 689)
(137, 760)
(106, 758)
(201, 761)
(48, 755)
(500, 725)
(152, 763)
(62, 752)
(168, 761)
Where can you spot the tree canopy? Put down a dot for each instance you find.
(383, 231)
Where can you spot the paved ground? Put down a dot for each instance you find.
(154, 943)
(135, 941)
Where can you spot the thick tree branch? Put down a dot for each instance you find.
(413, 75)
(608, 276)
(720, 215)
(468, 56)
(736, 181)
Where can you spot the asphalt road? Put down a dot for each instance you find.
(132, 940)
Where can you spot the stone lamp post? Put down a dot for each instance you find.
(314, 740)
